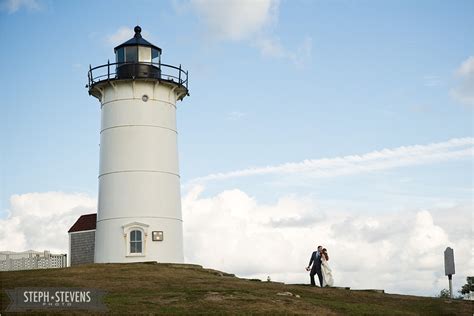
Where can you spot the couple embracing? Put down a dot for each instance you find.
(319, 260)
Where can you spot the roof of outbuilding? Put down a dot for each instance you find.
(85, 222)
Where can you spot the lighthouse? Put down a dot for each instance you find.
(139, 206)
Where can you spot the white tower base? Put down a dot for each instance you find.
(139, 187)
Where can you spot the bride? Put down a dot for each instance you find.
(326, 270)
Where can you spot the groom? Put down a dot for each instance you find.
(316, 268)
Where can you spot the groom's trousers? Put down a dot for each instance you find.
(320, 277)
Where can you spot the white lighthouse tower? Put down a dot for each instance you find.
(139, 210)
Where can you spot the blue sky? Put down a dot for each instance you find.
(271, 82)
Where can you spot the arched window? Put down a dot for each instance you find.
(136, 241)
(135, 238)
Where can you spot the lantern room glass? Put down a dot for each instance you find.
(144, 54)
(155, 56)
(131, 54)
(140, 54)
(120, 55)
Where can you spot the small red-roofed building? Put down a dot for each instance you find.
(82, 240)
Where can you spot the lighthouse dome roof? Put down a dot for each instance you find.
(137, 40)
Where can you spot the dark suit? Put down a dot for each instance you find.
(316, 268)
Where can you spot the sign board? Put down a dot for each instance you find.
(449, 261)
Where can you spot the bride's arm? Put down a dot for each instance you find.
(324, 260)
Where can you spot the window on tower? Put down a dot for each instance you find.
(135, 234)
(136, 241)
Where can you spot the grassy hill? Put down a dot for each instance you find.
(190, 289)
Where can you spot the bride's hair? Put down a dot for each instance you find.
(325, 253)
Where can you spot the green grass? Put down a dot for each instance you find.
(185, 289)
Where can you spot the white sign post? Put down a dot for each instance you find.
(449, 268)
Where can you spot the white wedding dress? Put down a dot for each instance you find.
(327, 273)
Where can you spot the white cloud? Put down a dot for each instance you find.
(247, 20)
(235, 115)
(12, 6)
(40, 221)
(399, 252)
(236, 19)
(123, 34)
(272, 47)
(373, 161)
(467, 67)
(464, 92)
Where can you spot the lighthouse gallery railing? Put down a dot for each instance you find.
(165, 72)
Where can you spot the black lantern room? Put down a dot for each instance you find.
(138, 58)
